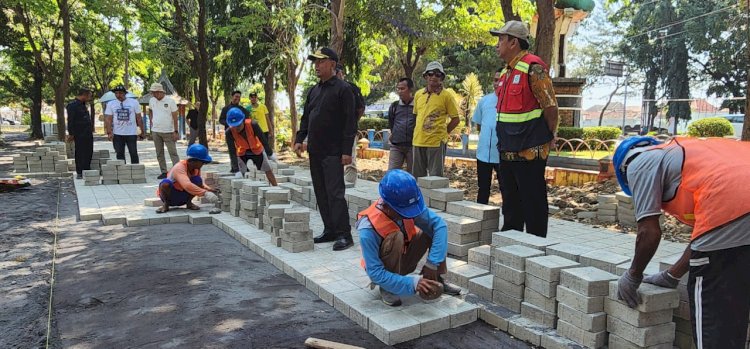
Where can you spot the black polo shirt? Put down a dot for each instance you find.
(328, 121)
(79, 119)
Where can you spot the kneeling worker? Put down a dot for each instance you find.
(251, 144)
(392, 245)
(184, 181)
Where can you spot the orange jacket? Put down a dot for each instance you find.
(248, 141)
(714, 189)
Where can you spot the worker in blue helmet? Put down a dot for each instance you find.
(183, 182)
(395, 233)
(250, 145)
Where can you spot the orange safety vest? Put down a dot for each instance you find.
(714, 188)
(248, 141)
(170, 176)
(384, 225)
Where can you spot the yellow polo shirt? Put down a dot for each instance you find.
(434, 111)
(259, 115)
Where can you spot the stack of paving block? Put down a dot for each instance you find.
(234, 202)
(509, 271)
(463, 233)
(249, 201)
(437, 193)
(131, 173)
(274, 202)
(98, 158)
(649, 325)
(681, 315)
(540, 294)
(481, 256)
(359, 199)
(21, 162)
(109, 171)
(625, 209)
(211, 179)
(487, 214)
(296, 235)
(91, 177)
(580, 309)
(606, 210)
(225, 186)
(42, 159)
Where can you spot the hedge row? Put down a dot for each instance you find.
(372, 123)
(710, 127)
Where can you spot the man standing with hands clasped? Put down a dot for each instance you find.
(329, 124)
(163, 125)
(81, 130)
(122, 118)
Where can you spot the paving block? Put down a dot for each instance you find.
(635, 317)
(200, 219)
(548, 267)
(595, 322)
(293, 236)
(509, 274)
(527, 330)
(622, 197)
(588, 281)
(617, 342)
(642, 336)
(538, 315)
(480, 256)
(299, 246)
(108, 219)
(152, 202)
(552, 340)
(446, 194)
(461, 312)
(394, 327)
(548, 304)
(296, 226)
(586, 338)
(514, 256)
(136, 221)
(462, 239)
(507, 287)
(482, 286)
(514, 237)
(546, 288)
(461, 275)
(496, 315)
(277, 195)
(461, 250)
(507, 301)
(653, 298)
(603, 260)
(472, 209)
(296, 215)
(461, 224)
(431, 319)
(433, 182)
(579, 302)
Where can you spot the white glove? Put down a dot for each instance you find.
(238, 175)
(273, 158)
(211, 197)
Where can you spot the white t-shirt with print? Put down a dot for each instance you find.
(123, 116)
(162, 114)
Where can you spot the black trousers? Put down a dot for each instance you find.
(524, 191)
(119, 142)
(719, 291)
(327, 174)
(484, 180)
(84, 150)
(232, 152)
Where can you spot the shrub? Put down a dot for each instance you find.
(710, 127)
(26, 119)
(601, 133)
(569, 132)
(372, 123)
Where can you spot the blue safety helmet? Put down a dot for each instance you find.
(199, 152)
(399, 190)
(235, 117)
(622, 151)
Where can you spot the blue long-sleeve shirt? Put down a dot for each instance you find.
(430, 223)
(486, 115)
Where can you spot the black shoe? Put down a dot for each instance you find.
(389, 299)
(162, 176)
(325, 237)
(450, 289)
(342, 243)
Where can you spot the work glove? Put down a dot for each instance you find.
(663, 279)
(627, 289)
(211, 197)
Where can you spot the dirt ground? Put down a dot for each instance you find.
(159, 287)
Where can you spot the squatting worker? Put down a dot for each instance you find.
(702, 183)
(329, 123)
(401, 122)
(526, 127)
(395, 233)
(184, 181)
(122, 119)
(233, 103)
(488, 158)
(437, 116)
(350, 171)
(81, 130)
(251, 143)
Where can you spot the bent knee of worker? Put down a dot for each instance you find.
(391, 248)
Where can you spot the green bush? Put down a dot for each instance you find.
(26, 119)
(372, 123)
(569, 132)
(710, 127)
(601, 133)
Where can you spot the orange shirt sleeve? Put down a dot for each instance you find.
(181, 177)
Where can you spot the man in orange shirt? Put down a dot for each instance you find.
(184, 181)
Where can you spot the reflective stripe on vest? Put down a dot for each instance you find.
(384, 225)
(522, 117)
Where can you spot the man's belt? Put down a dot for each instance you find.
(539, 152)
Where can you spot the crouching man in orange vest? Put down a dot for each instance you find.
(395, 233)
(702, 183)
(184, 181)
(251, 144)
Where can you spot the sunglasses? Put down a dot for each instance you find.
(434, 73)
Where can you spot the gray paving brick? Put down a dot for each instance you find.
(513, 237)
(604, 260)
(514, 256)
(461, 312)
(588, 281)
(635, 317)
(509, 274)
(568, 250)
(394, 327)
(552, 340)
(507, 301)
(461, 250)
(548, 267)
(431, 319)
(642, 336)
(586, 338)
(617, 342)
(200, 219)
(527, 330)
(472, 209)
(507, 287)
(579, 301)
(538, 315)
(461, 275)
(653, 298)
(482, 286)
(493, 314)
(433, 182)
(480, 256)
(545, 288)
(595, 322)
(548, 304)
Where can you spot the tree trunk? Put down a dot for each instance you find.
(606, 105)
(545, 30)
(508, 14)
(337, 26)
(61, 90)
(270, 91)
(36, 103)
(203, 70)
(291, 87)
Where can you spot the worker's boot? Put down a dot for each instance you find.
(389, 299)
(449, 288)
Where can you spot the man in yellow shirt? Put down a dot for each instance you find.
(260, 113)
(437, 116)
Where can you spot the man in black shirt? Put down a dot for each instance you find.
(350, 171)
(81, 130)
(233, 103)
(192, 119)
(401, 121)
(329, 123)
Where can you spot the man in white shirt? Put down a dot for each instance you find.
(122, 118)
(163, 125)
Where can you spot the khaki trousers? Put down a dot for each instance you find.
(160, 139)
(402, 261)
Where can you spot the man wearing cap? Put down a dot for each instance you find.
(81, 130)
(401, 121)
(259, 113)
(526, 127)
(329, 124)
(437, 116)
(488, 158)
(251, 144)
(350, 171)
(233, 103)
(184, 182)
(163, 124)
(122, 118)
(395, 233)
(702, 183)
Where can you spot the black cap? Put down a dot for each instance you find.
(324, 53)
(119, 88)
(253, 94)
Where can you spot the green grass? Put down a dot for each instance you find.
(583, 154)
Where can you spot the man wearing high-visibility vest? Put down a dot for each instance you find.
(395, 233)
(526, 126)
(702, 183)
(250, 144)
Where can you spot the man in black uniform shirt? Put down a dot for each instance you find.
(81, 130)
